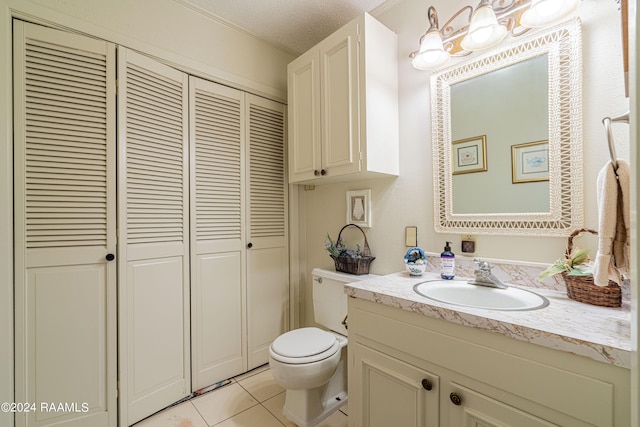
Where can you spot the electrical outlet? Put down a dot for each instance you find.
(468, 244)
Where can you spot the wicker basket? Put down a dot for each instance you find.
(351, 265)
(583, 289)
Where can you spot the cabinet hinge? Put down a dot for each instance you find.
(361, 156)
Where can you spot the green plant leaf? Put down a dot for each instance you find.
(580, 257)
(551, 270)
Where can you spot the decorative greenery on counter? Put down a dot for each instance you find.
(578, 264)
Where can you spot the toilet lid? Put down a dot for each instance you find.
(304, 342)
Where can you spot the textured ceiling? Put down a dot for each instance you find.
(294, 24)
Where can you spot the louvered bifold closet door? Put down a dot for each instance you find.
(217, 212)
(267, 258)
(65, 217)
(153, 235)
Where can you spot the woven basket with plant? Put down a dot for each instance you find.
(353, 261)
(577, 271)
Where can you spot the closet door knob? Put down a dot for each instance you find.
(110, 257)
(316, 172)
(323, 172)
(249, 245)
(426, 384)
(455, 399)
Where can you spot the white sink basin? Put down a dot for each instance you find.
(459, 292)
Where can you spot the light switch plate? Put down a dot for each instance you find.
(411, 236)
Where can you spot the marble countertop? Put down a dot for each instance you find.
(600, 333)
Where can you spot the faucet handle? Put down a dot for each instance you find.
(482, 265)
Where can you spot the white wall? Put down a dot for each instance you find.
(408, 200)
(634, 90)
(163, 28)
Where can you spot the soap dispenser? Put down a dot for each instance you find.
(447, 263)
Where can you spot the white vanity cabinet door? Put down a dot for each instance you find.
(500, 381)
(391, 392)
(470, 408)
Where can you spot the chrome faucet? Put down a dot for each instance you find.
(484, 276)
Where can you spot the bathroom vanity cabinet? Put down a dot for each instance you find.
(343, 106)
(412, 370)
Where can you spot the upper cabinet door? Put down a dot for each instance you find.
(65, 227)
(305, 155)
(153, 208)
(339, 101)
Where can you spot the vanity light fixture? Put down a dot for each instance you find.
(485, 26)
(431, 53)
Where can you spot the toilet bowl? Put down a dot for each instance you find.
(316, 383)
(310, 363)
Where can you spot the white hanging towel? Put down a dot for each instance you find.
(612, 258)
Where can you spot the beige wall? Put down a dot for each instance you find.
(408, 200)
(162, 28)
(174, 33)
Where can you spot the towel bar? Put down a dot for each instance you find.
(623, 118)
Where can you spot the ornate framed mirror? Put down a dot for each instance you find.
(507, 138)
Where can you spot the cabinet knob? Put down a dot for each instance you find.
(323, 172)
(455, 399)
(249, 245)
(316, 172)
(426, 384)
(110, 257)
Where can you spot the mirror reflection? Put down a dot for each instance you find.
(499, 132)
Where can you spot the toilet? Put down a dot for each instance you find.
(310, 363)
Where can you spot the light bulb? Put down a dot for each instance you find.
(431, 53)
(484, 30)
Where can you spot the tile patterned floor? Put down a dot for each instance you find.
(251, 400)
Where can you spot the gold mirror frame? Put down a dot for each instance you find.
(563, 45)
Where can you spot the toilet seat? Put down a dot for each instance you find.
(304, 345)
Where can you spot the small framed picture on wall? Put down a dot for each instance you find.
(359, 208)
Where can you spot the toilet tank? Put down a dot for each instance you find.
(329, 299)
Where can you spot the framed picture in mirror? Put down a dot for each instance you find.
(530, 162)
(470, 155)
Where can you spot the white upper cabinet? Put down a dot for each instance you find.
(343, 106)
